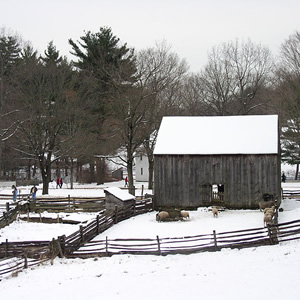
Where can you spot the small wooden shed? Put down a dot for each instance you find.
(201, 161)
(117, 197)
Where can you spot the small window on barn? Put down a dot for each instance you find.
(141, 171)
(141, 157)
(218, 193)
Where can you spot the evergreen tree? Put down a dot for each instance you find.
(104, 67)
(51, 55)
(9, 59)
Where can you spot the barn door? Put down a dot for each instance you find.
(205, 193)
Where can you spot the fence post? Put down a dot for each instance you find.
(273, 235)
(81, 233)
(106, 245)
(7, 206)
(158, 245)
(215, 240)
(25, 260)
(6, 248)
(97, 224)
(142, 190)
(270, 234)
(62, 245)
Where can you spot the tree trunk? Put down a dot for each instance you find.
(100, 171)
(66, 167)
(92, 172)
(46, 176)
(297, 171)
(29, 169)
(71, 173)
(130, 177)
(151, 169)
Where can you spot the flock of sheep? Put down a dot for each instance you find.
(179, 215)
(268, 207)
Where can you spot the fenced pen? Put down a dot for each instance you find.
(15, 256)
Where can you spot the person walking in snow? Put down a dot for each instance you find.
(60, 182)
(283, 177)
(33, 192)
(57, 182)
(15, 193)
(126, 181)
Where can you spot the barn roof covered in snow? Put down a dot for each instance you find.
(218, 135)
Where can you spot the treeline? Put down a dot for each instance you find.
(110, 99)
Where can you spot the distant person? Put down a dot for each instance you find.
(14, 192)
(57, 182)
(126, 181)
(33, 192)
(60, 182)
(283, 177)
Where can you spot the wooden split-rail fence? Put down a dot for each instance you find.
(270, 235)
(81, 243)
(15, 256)
(291, 194)
(9, 210)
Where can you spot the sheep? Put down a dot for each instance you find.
(265, 204)
(184, 214)
(215, 211)
(270, 211)
(162, 216)
(267, 219)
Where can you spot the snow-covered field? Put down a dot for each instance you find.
(271, 272)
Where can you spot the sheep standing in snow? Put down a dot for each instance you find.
(265, 204)
(215, 211)
(184, 214)
(267, 219)
(270, 211)
(162, 216)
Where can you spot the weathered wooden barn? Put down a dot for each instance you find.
(228, 160)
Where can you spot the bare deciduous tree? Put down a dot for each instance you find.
(160, 74)
(234, 75)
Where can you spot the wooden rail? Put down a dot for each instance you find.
(68, 204)
(291, 193)
(177, 245)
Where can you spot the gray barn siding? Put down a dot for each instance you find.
(178, 179)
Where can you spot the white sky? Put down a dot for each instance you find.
(191, 27)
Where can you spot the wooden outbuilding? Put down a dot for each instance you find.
(117, 197)
(228, 160)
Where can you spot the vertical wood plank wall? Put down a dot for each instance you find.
(178, 179)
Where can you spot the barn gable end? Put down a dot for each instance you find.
(243, 159)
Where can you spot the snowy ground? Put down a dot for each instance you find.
(262, 272)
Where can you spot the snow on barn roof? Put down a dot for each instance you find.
(218, 135)
(120, 194)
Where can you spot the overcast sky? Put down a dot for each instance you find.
(190, 27)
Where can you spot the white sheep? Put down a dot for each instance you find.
(162, 216)
(267, 219)
(270, 211)
(215, 211)
(265, 204)
(184, 214)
